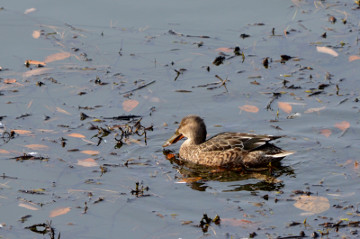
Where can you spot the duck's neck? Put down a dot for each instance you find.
(198, 136)
(199, 140)
(194, 141)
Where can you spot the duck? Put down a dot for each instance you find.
(226, 150)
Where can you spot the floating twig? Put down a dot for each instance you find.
(274, 97)
(138, 88)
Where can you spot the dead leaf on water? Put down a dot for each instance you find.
(36, 34)
(325, 132)
(344, 125)
(28, 206)
(224, 49)
(327, 50)
(311, 110)
(90, 152)
(257, 204)
(347, 162)
(129, 105)
(36, 146)
(59, 211)
(3, 151)
(57, 57)
(286, 107)
(33, 62)
(88, 141)
(58, 109)
(186, 222)
(29, 104)
(313, 204)
(128, 141)
(76, 135)
(236, 222)
(22, 132)
(160, 215)
(249, 108)
(89, 162)
(9, 81)
(30, 10)
(354, 58)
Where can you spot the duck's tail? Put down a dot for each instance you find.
(282, 154)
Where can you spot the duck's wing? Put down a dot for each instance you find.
(242, 141)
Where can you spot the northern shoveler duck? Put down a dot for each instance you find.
(230, 149)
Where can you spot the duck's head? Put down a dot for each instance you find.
(191, 127)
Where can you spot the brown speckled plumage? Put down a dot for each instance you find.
(225, 149)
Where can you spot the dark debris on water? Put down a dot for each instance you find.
(44, 228)
(140, 190)
(30, 157)
(206, 221)
(123, 132)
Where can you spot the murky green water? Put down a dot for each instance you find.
(119, 58)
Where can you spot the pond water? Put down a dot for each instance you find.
(73, 166)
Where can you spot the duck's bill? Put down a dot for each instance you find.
(176, 137)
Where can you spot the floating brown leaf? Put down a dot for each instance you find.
(57, 57)
(236, 222)
(9, 81)
(3, 151)
(89, 162)
(313, 204)
(327, 50)
(58, 109)
(344, 125)
(286, 107)
(186, 222)
(353, 58)
(311, 110)
(33, 62)
(129, 105)
(90, 152)
(22, 132)
(160, 215)
(76, 135)
(29, 104)
(249, 108)
(36, 34)
(59, 211)
(30, 10)
(325, 132)
(28, 206)
(348, 162)
(36, 146)
(224, 49)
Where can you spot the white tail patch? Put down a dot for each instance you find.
(259, 143)
(246, 136)
(282, 154)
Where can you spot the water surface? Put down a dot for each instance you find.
(114, 48)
